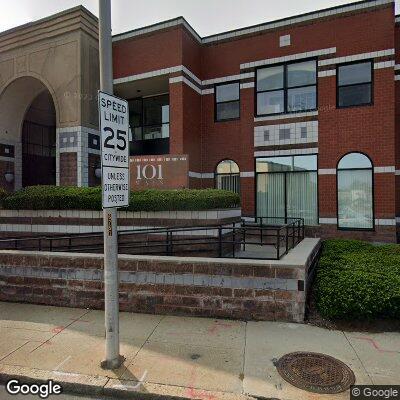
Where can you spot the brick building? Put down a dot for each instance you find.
(298, 115)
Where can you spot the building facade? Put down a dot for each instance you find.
(300, 116)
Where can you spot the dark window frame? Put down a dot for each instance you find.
(216, 174)
(142, 126)
(371, 103)
(285, 174)
(285, 88)
(339, 228)
(224, 102)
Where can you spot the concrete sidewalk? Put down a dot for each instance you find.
(180, 357)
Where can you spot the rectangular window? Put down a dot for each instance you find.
(354, 84)
(149, 117)
(287, 88)
(287, 187)
(227, 101)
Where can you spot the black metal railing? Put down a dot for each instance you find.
(248, 239)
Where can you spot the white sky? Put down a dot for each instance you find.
(206, 16)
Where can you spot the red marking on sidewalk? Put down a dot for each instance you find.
(194, 393)
(375, 345)
(58, 329)
(215, 328)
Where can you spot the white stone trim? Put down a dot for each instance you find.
(254, 29)
(397, 67)
(397, 172)
(331, 221)
(7, 159)
(384, 170)
(247, 85)
(150, 74)
(186, 81)
(397, 19)
(291, 57)
(199, 175)
(157, 27)
(398, 218)
(397, 77)
(385, 222)
(246, 75)
(327, 171)
(286, 116)
(207, 91)
(248, 174)
(288, 152)
(356, 57)
(325, 74)
(384, 64)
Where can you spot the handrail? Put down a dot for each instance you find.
(226, 240)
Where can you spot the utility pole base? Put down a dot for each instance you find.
(113, 364)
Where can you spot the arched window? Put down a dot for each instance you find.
(355, 192)
(228, 176)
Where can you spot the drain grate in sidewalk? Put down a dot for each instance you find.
(315, 372)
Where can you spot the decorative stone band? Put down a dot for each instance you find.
(82, 141)
(257, 29)
(291, 57)
(288, 152)
(211, 175)
(378, 222)
(287, 116)
(377, 170)
(79, 221)
(283, 134)
(356, 57)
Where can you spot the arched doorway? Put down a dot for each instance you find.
(39, 142)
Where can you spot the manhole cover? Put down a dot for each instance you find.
(315, 372)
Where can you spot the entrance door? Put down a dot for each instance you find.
(38, 154)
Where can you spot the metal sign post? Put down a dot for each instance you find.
(114, 127)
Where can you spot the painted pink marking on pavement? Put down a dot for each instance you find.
(194, 393)
(58, 329)
(215, 328)
(375, 345)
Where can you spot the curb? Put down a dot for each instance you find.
(103, 386)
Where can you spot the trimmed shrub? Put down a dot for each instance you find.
(3, 195)
(78, 198)
(358, 280)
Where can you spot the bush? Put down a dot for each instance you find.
(69, 198)
(358, 280)
(3, 195)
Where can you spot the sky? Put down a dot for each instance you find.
(207, 17)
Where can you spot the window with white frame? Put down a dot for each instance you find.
(355, 192)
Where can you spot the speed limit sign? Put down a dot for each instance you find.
(114, 128)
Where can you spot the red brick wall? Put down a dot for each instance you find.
(370, 129)
(68, 169)
(186, 288)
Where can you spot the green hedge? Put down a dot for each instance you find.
(67, 198)
(3, 195)
(358, 280)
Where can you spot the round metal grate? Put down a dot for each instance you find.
(315, 372)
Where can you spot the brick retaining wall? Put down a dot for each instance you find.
(226, 288)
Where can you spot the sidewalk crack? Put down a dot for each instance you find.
(359, 359)
(63, 329)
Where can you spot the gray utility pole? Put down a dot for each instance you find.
(111, 301)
